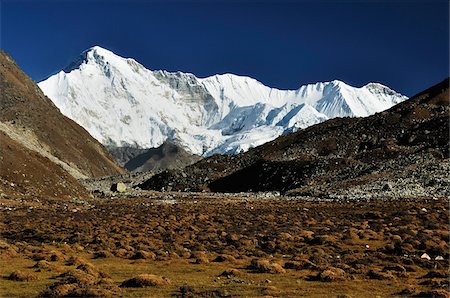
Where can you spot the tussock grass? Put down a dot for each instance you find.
(266, 266)
(22, 276)
(145, 280)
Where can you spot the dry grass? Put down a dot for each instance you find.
(22, 276)
(271, 234)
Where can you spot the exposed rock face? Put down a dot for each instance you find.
(123, 154)
(52, 147)
(405, 147)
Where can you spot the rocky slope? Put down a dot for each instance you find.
(402, 151)
(123, 104)
(166, 156)
(43, 152)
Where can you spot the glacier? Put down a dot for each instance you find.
(123, 104)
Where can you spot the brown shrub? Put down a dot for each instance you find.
(7, 249)
(373, 274)
(225, 258)
(200, 257)
(266, 266)
(285, 236)
(21, 276)
(122, 253)
(49, 255)
(270, 291)
(231, 273)
(306, 234)
(76, 276)
(201, 261)
(142, 254)
(90, 269)
(437, 293)
(103, 254)
(434, 274)
(84, 282)
(332, 274)
(59, 290)
(301, 265)
(75, 261)
(81, 290)
(44, 265)
(145, 280)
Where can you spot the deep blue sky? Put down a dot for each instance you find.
(284, 44)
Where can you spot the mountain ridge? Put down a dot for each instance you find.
(400, 152)
(121, 103)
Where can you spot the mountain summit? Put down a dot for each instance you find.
(121, 103)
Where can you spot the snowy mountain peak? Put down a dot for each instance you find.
(121, 103)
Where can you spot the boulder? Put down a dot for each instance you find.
(119, 187)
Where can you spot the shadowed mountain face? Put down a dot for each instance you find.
(48, 143)
(392, 150)
(166, 156)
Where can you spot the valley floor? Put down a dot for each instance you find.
(196, 245)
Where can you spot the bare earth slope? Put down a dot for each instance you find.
(35, 128)
(25, 106)
(25, 172)
(401, 152)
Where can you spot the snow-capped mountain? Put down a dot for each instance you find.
(121, 103)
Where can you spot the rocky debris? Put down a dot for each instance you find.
(101, 186)
(425, 256)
